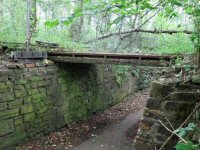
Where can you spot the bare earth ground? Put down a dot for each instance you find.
(113, 129)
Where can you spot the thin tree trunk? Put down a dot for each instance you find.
(33, 15)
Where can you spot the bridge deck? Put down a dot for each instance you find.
(110, 58)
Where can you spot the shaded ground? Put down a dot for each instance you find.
(112, 129)
(114, 137)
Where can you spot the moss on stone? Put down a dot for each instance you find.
(29, 117)
(9, 113)
(6, 127)
(26, 109)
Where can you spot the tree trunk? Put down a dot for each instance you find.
(77, 26)
(33, 16)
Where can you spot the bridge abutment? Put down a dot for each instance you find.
(36, 99)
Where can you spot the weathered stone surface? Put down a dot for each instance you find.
(36, 102)
(7, 143)
(26, 109)
(161, 89)
(21, 82)
(15, 104)
(6, 97)
(29, 117)
(5, 72)
(18, 121)
(9, 113)
(4, 78)
(174, 103)
(153, 103)
(182, 96)
(20, 94)
(3, 106)
(146, 123)
(5, 88)
(169, 105)
(6, 127)
(196, 79)
(18, 87)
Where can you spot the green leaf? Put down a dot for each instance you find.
(187, 146)
(51, 23)
(190, 127)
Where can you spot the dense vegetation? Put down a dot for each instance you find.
(109, 25)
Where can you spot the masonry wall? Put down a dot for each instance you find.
(37, 100)
(169, 99)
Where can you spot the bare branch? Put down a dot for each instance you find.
(172, 131)
(186, 120)
(142, 31)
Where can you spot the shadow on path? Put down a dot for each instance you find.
(114, 136)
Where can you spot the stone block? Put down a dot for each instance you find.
(33, 85)
(37, 97)
(3, 78)
(18, 121)
(42, 84)
(153, 103)
(146, 124)
(26, 109)
(42, 110)
(20, 82)
(169, 105)
(18, 87)
(30, 65)
(159, 139)
(196, 79)
(29, 117)
(182, 96)
(20, 94)
(12, 139)
(3, 106)
(154, 114)
(6, 127)
(33, 91)
(50, 72)
(161, 89)
(9, 113)
(27, 100)
(197, 97)
(15, 103)
(6, 97)
(5, 72)
(5, 88)
(42, 90)
(36, 78)
(38, 105)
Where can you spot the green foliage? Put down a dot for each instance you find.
(58, 17)
(52, 23)
(188, 146)
(121, 72)
(182, 132)
(168, 44)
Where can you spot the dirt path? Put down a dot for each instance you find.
(112, 129)
(114, 137)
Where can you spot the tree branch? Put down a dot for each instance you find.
(186, 120)
(142, 31)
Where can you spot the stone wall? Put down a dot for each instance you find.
(37, 100)
(169, 100)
